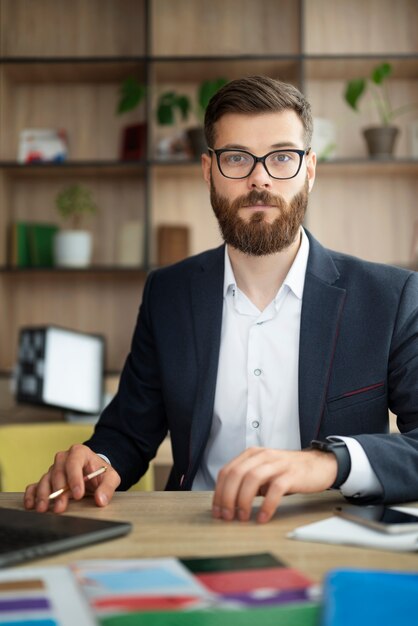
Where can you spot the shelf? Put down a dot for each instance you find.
(402, 167)
(91, 70)
(347, 67)
(114, 169)
(196, 69)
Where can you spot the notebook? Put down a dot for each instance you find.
(27, 535)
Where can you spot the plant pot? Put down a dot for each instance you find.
(381, 141)
(72, 248)
(196, 137)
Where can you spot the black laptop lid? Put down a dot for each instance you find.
(26, 535)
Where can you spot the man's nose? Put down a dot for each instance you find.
(259, 177)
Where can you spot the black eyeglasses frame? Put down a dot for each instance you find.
(218, 152)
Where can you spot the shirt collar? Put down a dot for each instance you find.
(295, 279)
(229, 278)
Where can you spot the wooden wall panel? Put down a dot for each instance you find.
(361, 26)
(224, 27)
(180, 196)
(369, 216)
(78, 28)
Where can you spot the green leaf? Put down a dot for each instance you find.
(208, 89)
(131, 94)
(168, 102)
(183, 104)
(165, 115)
(353, 92)
(74, 201)
(381, 72)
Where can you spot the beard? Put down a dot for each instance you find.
(256, 236)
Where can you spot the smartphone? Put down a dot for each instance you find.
(380, 517)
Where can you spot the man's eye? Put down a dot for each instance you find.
(236, 159)
(281, 157)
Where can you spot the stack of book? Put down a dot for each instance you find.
(31, 244)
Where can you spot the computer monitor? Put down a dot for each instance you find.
(61, 368)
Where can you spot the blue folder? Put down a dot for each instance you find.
(354, 597)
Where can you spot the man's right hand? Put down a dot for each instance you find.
(69, 468)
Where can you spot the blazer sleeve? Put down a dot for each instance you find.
(134, 424)
(394, 457)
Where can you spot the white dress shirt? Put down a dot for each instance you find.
(256, 399)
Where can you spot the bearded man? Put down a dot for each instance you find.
(271, 361)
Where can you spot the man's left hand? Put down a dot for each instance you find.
(273, 474)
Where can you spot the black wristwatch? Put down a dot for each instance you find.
(343, 458)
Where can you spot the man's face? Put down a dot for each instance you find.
(259, 215)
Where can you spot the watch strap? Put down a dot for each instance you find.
(340, 450)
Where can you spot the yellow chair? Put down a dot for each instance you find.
(27, 451)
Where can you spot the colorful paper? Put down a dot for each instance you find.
(43, 596)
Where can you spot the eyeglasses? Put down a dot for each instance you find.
(279, 164)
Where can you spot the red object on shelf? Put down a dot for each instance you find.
(134, 141)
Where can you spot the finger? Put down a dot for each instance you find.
(257, 477)
(43, 489)
(275, 492)
(29, 497)
(110, 481)
(229, 482)
(80, 460)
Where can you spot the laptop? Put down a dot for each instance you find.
(27, 535)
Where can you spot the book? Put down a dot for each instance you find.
(32, 244)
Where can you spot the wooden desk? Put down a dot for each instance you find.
(180, 524)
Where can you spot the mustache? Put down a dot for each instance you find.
(265, 197)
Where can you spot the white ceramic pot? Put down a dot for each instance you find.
(72, 248)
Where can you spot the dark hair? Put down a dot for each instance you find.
(257, 94)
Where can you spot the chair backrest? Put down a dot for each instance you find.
(28, 450)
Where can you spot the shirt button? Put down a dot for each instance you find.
(255, 424)
(257, 372)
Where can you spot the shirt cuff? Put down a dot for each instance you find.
(362, 480)
(104, 457)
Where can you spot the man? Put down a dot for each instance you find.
(247, 353)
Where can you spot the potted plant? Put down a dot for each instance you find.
(73, 247)
(380, 138)
(196, 135)
(170, 107)
(170, 102)
(132, 93)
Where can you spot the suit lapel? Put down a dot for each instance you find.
(207, 304)
(322, 308)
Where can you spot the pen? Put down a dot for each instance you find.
(57, 493)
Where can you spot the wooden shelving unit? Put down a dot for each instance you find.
(61, 65)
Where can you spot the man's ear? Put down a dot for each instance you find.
(311, 169)
(206, 162)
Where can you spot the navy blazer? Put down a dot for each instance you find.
(358, 356)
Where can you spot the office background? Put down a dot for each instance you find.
(62, 65)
